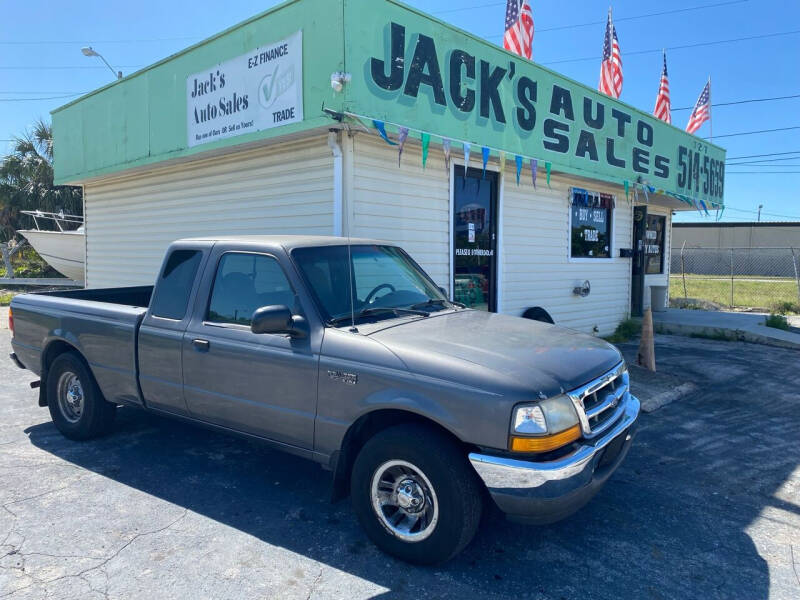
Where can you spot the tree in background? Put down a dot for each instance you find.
(26, 182)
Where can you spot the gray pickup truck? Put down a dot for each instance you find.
(346, 353)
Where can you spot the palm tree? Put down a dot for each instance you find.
(26, 181)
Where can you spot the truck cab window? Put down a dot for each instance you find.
(244, 283)
(171, 295)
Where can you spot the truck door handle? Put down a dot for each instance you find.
(201, 345)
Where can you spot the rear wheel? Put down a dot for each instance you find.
(415, 495)
(76, 404)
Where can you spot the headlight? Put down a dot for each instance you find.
(544, 426)
(553, 415)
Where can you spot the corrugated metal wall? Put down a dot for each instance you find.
(536, 266)
(279, 189)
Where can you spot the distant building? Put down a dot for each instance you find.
(736, 235)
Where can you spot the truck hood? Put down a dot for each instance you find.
(483, 349)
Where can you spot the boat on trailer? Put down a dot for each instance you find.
(63, 248)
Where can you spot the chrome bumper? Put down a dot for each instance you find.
(544, 492)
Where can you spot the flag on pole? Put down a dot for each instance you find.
(519, 28)
(702, 110)
(663, 109)
(611, 67)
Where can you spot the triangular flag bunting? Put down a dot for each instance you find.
(426, 141)
(402, 136)
(485, 155)
(627, 185)
(547, 168)
(518, 159)
(534, 171)
(502, 162)
(466, 157)
(446, 149)
(381, 127)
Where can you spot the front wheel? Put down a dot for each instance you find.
(76, 404)
(415, 495)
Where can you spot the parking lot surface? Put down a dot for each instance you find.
(707, 505)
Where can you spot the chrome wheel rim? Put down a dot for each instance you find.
(70, 397)
(404, 500)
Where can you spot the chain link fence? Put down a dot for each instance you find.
(743, 278)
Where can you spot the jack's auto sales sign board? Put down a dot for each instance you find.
(252, 92)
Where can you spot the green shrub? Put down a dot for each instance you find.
(625, 331)
(785, 308)
(5, 299)
(777, 321)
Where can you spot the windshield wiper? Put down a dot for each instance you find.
(436, 302)
(377, 310)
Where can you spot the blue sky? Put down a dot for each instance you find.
(40, 58)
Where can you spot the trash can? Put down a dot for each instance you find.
(658, 298)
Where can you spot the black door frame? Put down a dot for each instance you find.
(491, 178)
(638, 263)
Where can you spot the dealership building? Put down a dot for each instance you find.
(514, 187)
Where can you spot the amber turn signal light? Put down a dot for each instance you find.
(545, 443)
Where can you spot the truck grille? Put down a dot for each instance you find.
(600, 402)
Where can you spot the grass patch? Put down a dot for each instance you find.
(625, 331)
(5, 299)
(752, 292)
(777, 321)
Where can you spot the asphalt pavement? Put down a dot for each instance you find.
(707, 505)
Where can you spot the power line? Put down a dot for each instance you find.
(755, 132)
(683, 47)
(762, 172)
(66, 67)
(760, 163)
(41, 42)
(35, 99)
(715, 104)
(759, 155)
(616, 18)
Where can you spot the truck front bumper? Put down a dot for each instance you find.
(545, 492)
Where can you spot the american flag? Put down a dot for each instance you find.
(662, 109)
(611, 68)
(519, 28)
(702, 110)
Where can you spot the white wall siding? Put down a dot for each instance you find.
(280, 189)
(407, 205)
(536, 266)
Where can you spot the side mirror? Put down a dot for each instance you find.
(278, 319)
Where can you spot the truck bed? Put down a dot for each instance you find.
(101, 324)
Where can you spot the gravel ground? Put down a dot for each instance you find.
(707, 505)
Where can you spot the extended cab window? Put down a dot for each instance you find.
(590, 224)
(171, 295)
(245, 282)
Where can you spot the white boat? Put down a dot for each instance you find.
(64, 249)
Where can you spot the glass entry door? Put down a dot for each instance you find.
(475, 239)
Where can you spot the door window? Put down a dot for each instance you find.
(654, 244)
(475, 239)
(171, 295)
(244, 283)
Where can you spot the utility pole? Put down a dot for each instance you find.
(760, 206)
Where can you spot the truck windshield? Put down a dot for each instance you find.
(386, 282)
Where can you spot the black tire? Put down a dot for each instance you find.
(455, 485)
(94, 417)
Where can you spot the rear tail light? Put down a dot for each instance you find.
(11, 321)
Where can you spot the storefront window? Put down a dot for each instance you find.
(591, 224)
(654, 244)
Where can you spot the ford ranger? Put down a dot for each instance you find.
(345, 352)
